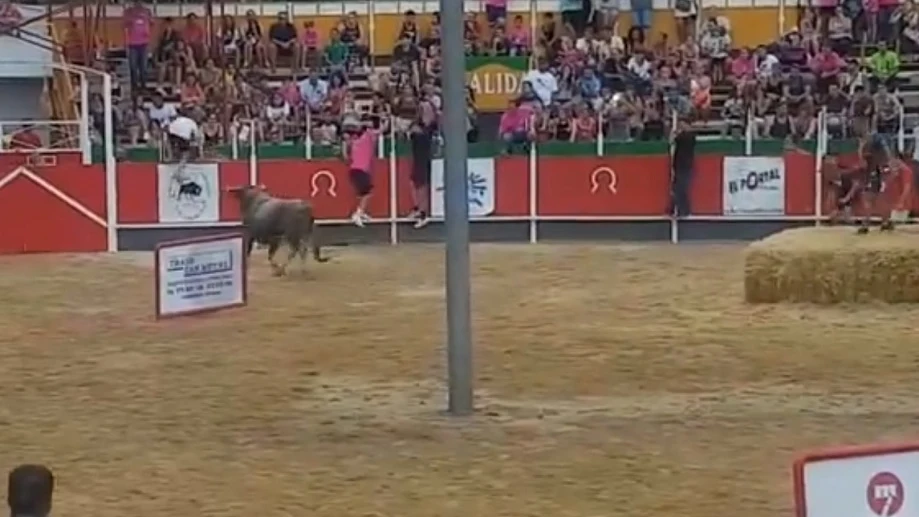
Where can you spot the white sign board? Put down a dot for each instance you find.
(754, 185)
(859, 482)
(480, 173)
(200, 275)
(188, 193)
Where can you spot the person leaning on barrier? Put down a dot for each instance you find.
(683, 141)
(184, 136)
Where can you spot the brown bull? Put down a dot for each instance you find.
(272, 221)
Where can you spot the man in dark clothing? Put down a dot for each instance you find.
(422, 155)
(283, 36)
(876, 157)
(682, 162)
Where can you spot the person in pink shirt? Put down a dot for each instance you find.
(519, 37)
(359, 149)
(138, 26)
(826, 66)
(743, 68)
(193, 35)
(310, 44)
(514, 128)
(871, 7)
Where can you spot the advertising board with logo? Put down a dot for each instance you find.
(480, 174)
(188, 193)
(754, 185)
(870, 480)
(495, 80)
(200, 275)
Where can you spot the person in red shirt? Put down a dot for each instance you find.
(26, 139)
(583, 125)
(193, 35)
(826, 66)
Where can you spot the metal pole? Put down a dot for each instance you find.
(456, 201)
(111, 177)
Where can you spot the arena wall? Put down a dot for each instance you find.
(551, 194)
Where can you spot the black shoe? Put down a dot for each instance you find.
(862, 230)
(887, 226)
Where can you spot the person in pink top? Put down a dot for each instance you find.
(743, 68)
(138, 26)
(519, 37)
(826, 66)
(495, 10)
(514, 127)
(359, 149)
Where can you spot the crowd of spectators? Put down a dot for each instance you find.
(588, 80)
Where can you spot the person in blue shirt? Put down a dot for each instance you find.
(589, 85)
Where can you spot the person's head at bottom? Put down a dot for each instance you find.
(29, 491)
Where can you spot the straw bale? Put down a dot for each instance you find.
(829, 265)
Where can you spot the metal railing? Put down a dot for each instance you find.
(46, 136)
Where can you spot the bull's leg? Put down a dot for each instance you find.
(276, 269)
(250, 242)
(293, 242)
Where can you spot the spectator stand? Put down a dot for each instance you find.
(370, 86)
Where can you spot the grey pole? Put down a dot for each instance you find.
(456, 208)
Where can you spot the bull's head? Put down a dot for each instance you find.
(246, 194)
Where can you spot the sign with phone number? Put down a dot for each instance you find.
(199, 275)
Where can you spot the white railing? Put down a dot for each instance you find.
(44, 136)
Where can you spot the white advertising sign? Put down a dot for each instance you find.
(189, 192)
(754, 185)
(871, 483)
(200, 275)
(481, 187)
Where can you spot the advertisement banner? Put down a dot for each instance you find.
(754, 185)
(198, 275)
(480, 173)
(188, 193)
(495, 80)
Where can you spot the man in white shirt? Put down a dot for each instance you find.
(159, 113)
(313, 90)
(543, 82)
(767, 65)
(184, 134)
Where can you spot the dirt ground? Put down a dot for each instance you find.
(613, 381)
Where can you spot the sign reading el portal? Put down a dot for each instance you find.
(200, 275)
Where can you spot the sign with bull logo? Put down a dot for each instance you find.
(481, 186)
(189, 193)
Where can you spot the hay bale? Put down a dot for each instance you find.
(833, 265)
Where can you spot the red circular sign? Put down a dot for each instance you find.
(885, 494)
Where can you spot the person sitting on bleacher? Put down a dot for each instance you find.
(884, 65)
(283, 36)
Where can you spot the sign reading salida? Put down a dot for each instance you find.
(200, 275)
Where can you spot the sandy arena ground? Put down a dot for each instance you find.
(614, 381)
